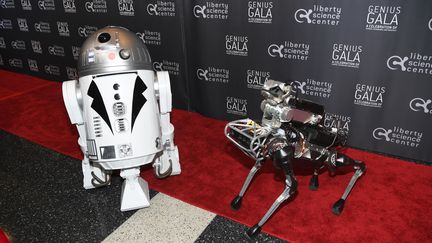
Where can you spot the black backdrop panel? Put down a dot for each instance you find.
(53, 32)
(368, 62)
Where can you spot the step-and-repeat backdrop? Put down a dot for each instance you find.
(369, 62)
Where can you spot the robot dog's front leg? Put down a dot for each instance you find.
(283, 158)
(94, 176)
(236, 202)
(335, 160)
(168, 162)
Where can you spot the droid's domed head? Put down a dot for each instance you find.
(113, 49)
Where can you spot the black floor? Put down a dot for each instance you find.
(223, 230)
(42, 200)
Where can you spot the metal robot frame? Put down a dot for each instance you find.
(290, 128)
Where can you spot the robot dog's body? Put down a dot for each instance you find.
(290, 128)
(122, 113)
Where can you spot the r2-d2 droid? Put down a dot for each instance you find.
(122, 113)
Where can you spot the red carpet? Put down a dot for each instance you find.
(3, 237)
(391, 203)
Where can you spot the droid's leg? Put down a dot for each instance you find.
(236, 202)
(85, 164)
(135, 191)
(168, 163)
(87, 177)
(94, 175)
(283, 158)
(336, 160)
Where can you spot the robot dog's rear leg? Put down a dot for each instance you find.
(283, 158)
(236, 202)
(338, 160)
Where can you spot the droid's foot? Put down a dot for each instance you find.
(135, 195)
(167, 164)
(236, 203)
(254, 231)
(135, 191)
(175, 161)
(338, 206)
(162, 170)
(94, 175)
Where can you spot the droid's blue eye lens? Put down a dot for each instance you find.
(104, 37)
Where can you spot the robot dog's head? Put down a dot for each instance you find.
(276, 90)
(113, 49)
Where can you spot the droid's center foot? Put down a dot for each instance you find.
(135, 191)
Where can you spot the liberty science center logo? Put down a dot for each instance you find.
(414, 62)
(421, 105)
(211, 10)
(162, 9)
(399, 136)
(319, 15)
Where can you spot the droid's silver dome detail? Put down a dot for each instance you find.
(113, 49)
